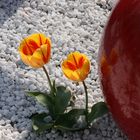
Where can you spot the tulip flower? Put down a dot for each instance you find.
(35, 50)
(76, 67)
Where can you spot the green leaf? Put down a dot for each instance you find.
(64, 128)
(44, 99)
(61, 100)
(53, 89)
(68, 120)
(40, 97)
(57, 102)
(97, 110)
(76, 112)
(39, 124)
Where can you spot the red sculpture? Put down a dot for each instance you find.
(119, 66)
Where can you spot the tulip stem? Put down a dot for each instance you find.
(86, 93)
(50, 84)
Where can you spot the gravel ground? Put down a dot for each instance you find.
(72, 25)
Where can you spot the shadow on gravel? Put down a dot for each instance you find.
(12, 108)
(8, 8)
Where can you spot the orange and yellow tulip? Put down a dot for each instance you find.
(35, 50)
(76, 67)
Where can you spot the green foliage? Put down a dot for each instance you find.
(44, 99)
(61, 100)
(57, 102)
(40, 97)
(97, 111)
(66, 121)
(39, 123)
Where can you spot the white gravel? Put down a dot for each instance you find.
(72, 25)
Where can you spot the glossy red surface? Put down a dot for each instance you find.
(119, 66)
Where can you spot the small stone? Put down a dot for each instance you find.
(24, 134)
(8, 121)
(10, 99)
(2, 122)
(59, 138)
(104, 133)
(86, 131)
(48, 135)
(6, 112)
(32, 87)
(21, 102)
(72, 26)
(92, 137)
(14, 118)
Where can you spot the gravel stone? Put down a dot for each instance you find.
(72, 26)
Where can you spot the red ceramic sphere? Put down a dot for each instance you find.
(119, 66)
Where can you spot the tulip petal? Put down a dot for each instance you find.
(32, 45)
(80, 62)
(20, 48)
(75, 76)
(25, 58)
(73, 57)
(33, 42)
(28, 46)
(31, 61)
(76, 67)
(24, 48)
(36, 63)
(35, 50)
(71, 74)
(84, 71)
(71, 66)
(64, 64)
(48, 41)
(46, 51)
(37, 59)
(35, 38)
(44, 40)
(76, 59)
